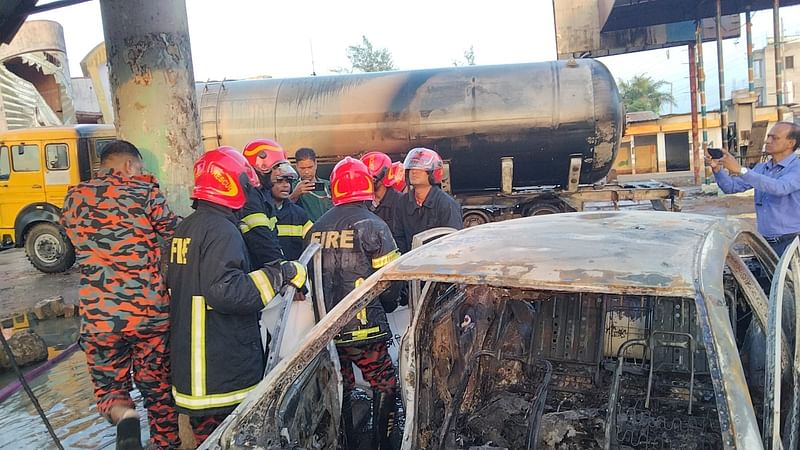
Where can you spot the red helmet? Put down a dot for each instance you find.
(351, 182)
(397, 176)
(378, 165)
(427, 160)
(219, 176)
(265, 148)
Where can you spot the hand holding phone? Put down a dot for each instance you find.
(716, 153)
(319, 186)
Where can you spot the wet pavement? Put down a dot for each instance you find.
(21, 285)
(66, 397)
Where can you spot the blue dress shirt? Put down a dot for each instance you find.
(777, 194)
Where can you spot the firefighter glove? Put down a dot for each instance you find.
(293, 273)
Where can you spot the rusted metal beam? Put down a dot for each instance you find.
(697, 158)
(778, 46)
(749, 33)
(152, 86)
(701, 88)
(723, 109)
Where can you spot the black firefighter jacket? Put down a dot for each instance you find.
(438, 210)
(215, 343)
(257, 224)
(292, 225)
(355, 243)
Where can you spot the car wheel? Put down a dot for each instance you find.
(48, 249)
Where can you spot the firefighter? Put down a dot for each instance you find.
(293, 222)
(216, 351)
(115, 221)
(258, 217)
(397, 175)
(355, 243)
(425, 205)
(386, 198)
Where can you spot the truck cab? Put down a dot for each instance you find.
(37, 167)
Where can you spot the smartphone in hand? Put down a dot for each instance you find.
(716, 153)
(319, 186)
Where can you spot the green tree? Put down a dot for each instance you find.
(642, 93)
(366, 58)
(469, 58)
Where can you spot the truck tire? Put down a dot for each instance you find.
(48, 249)
(474, 218)
(541, 209)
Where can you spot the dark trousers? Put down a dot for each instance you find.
(112, 357)
(779, 243)
(203, 426)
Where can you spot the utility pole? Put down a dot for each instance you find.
(152, 87)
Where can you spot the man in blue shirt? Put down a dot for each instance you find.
(776, 184)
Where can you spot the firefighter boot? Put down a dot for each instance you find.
(349, 431)
(383, 408)
(129, 434)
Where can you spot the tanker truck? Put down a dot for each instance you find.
(517, 139)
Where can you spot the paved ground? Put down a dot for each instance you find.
(21, 285)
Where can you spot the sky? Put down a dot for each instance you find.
(248, 38)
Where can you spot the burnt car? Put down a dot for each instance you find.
(571, 331)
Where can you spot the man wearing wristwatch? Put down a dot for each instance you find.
(776, 183)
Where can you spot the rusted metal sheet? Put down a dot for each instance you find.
(540, 114)
(581, 31)
(35, 84)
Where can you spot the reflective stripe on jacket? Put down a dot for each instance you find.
(215, 343)
(292, 226)
(355, 243)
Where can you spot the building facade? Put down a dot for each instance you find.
(764, 72)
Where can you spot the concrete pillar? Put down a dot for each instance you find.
(661, 153)
(152, 87)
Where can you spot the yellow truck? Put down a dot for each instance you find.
(37, 167)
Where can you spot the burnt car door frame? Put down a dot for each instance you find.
(772, 385)
(768, 312)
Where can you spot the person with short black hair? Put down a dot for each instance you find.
(117, 148)
(292, 220)
(425, 205)
(776, 184)
(306, 193)
(115, 221)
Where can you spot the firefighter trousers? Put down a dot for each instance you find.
(112, 357)
(374, 362)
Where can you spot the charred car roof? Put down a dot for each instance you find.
(576, 251)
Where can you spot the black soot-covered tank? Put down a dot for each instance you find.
(541, 114)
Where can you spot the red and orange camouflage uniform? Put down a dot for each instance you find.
(114, 223)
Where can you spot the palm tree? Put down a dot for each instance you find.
(641, 93)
